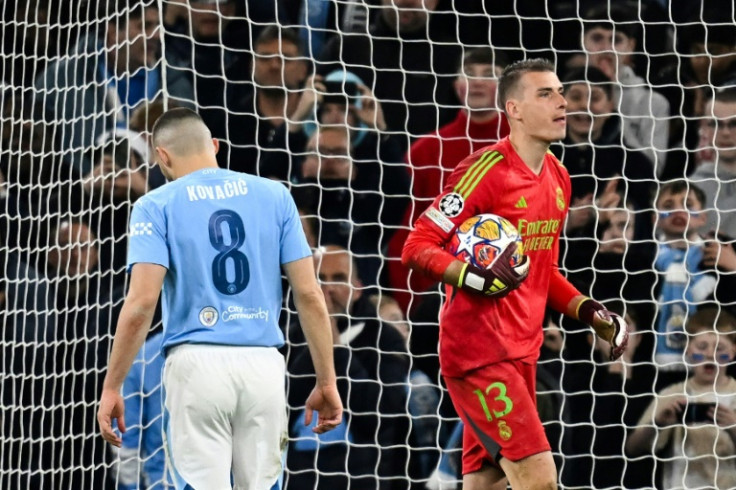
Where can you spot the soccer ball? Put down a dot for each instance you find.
(480, 239)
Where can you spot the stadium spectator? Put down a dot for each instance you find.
(683, 282)
(691, 426)
(368, 450)
(409, 66)
(142, 459)
(645, 112)
(595, 151)
(716, 177)
(348, 197)
(279, 69)
(207, 44)
(96, 88)
(432, 157)
(377, 151)
(601, 399)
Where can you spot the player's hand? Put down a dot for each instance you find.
(499, 279)
(111, 408)
(607, 325)
(326, 401)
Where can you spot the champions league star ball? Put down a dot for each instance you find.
(480, 239)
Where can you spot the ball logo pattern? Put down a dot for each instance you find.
(480, 239)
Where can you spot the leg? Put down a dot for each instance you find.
(487, 478)
(198, 431)
(259, 425)
(535, 472)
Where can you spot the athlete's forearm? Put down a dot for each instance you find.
(133, 325)
(563, 297)
(315, 322)
(423, 252)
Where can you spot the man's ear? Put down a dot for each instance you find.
(216, 144)
(163, 157)
(512, 109)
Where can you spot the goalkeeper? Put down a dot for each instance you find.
(488, 345)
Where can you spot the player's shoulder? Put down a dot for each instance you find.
(492, 159)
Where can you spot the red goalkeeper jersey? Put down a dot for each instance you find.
(474, 330)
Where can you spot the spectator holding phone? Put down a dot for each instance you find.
(691, 426)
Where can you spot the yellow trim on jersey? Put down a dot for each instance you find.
(475, 174)
(483, 158)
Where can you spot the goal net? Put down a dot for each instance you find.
(363, 108)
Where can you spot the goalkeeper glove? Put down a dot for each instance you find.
(607, 325)
(499, 279)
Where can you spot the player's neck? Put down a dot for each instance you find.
(194, 163)
(531, 150)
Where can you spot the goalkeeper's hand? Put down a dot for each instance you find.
(607, 325)
(499, 279)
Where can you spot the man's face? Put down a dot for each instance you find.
(276, 65)
(539, 105)
(210, 18)
(76, 254)
(588, 109)
(328, 155)
(338, 280)
(710, 60)
(679, 213)
(476, 86)
(139, 37)
(608, 50)
(410, 14)
(721, 119)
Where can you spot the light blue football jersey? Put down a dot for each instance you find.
(223, 236)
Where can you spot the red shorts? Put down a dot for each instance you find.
(498, 406)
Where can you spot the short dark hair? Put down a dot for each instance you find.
(590, 76)
(482, 56)
(275, 32)
(678, 186)
(725, 95)
(173, 117)
(513, 73)
(612, 17)
(712, 318)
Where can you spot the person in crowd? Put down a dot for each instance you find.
(96, 88)
(141, 457)
(602, 167)
(601, 400)
(207, 43)
(350, 204)
(279, 70)
(645, 113)
(410, 65)
(369, 449)
(432, 157)
(691, 426)
(683, 282)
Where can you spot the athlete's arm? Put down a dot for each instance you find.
(315, 322)
(133, 325)
(566, 299)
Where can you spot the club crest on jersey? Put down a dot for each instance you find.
(504, 431)
(560, 199)
(208, 316)
(452, 204)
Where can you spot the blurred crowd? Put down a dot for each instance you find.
(363, 108)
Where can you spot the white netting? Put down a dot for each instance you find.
(647, 85)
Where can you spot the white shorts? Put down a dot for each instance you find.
(226, 415)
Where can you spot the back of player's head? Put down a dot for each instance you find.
(512, 74)
(181, 131)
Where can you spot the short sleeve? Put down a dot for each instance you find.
(147, 236)
(293, 242)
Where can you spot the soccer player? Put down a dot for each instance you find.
(491, 323)
(216, 241)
